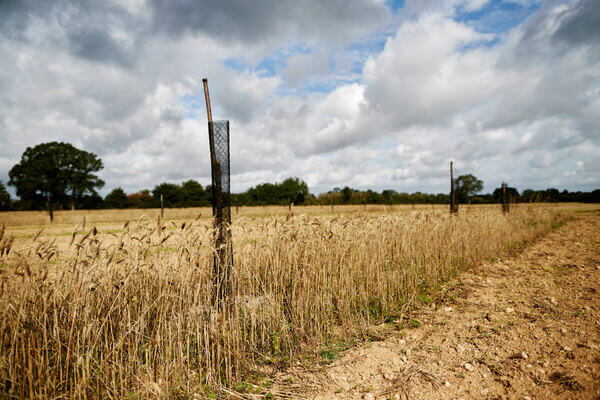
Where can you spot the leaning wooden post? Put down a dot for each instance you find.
(453, 205)
(222, 257)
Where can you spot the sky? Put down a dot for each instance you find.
(378, 94)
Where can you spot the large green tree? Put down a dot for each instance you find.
(56, 170)
(292, 189)
(264, 193)
(512, 194)
(170, 192)
(466, 186)
(5, 202)
(116, 199)
(192, 194)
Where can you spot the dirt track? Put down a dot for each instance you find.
(526, 327)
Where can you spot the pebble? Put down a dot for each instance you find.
(529, 365)
(509, 309)
(448, 309)
(524, 355)
(369, 396)
(469, 367)
(447, 384)
(553, 300)
(567, 348)
(484, 392)
(563, 331)
(542, 371)
(526, 398)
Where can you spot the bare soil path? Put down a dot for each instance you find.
(526, 327)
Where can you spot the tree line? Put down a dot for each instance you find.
(353, 196)
(61, 176)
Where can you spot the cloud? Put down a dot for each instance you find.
(97, 45)
(423, 77)
(580, 24)
(256, 21)
(300, 67)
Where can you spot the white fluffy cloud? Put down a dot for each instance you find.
(124, 80)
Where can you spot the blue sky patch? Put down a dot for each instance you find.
(395, 5)
(192, 104)
(235, 64)
(496, 16)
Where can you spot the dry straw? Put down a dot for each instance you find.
(128, 314)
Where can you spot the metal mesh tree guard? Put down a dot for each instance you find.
(221, 137)
(221, 204)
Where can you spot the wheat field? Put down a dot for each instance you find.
(68, 218)
(101, 312)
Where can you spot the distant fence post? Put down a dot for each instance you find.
(162, 207)
(218, 138)
(50, 211)
(505, 203)
(453, 203)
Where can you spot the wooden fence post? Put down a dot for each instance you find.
(505, 203)
(162, 207)
(50, 211)
(453, 203)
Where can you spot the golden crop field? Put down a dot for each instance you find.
(119, 304)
